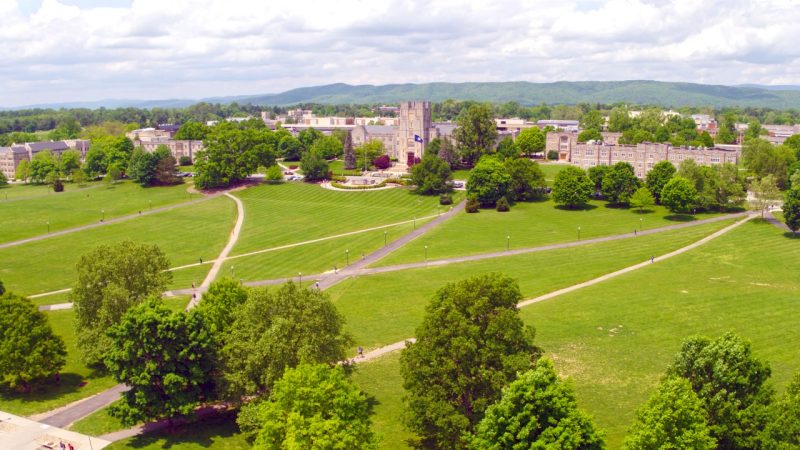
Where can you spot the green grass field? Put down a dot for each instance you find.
(616, 339)
(337, 167)
(184, 234)
(27, 215)
(528, 224)
(386, 308)
(219, 432)
(294, 212)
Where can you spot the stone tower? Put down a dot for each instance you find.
(415, 119)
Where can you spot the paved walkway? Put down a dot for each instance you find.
(103, 223)
(212, 274)
(373, 354)
(67, 415)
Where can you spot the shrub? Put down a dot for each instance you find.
(274, 175)
(552, 155)
(502, 205)
(382, 162)
(293, 167)
(358, 187)
(445, 199)
(338, 178)
(185, 161)
(58, 185)
(472, 205)
(400, 181)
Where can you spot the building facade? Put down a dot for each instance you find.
(11, 157)
(177, 148)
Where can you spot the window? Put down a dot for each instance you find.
(603, 152)
(589, 152)
(650, 156)
(649, 165)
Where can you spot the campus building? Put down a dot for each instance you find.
(641, 156)
(150, 138)
(12, 156)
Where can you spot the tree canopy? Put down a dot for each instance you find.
(488, 181)
(476, 133)
(527, 179)
(192, 130)
(619, 183)
(231, 152)
(679, 195)
(314, 166)
(531, 140)
(431, 175)
(470, 344)
(572, 188)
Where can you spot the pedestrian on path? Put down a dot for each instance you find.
(360, 351)
(316, 285)
(651, 259)
(61, 445)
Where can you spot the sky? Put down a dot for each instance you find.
(84, 50)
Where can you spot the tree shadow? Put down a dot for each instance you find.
(586, 207)
(202, 432)
(46, 389)
(791, 235)
(610, 205)
(643, 211)
(680, 218)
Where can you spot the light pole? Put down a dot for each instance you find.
(232, 271)
(103, 218)
(579, 233)
(426, 253)
(150, 204)
(415, 222)
(300, 278)
(641, 223)
(48, 227)
(508, 242)
(384, 238)
(347, 255)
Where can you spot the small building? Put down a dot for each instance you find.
(12, 156)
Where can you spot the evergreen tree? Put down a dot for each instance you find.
(349, 154)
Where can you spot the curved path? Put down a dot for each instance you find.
(105, 222)
(380, 351)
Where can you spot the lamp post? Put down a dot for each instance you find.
(232, 271)
(150, 204)
(103, 217)
(48, 227)
(641, 223)
(508, 242)
(415, 222)
(579, 233)
(300, 278)
(347, 256)
(426, 253)
(384, 238)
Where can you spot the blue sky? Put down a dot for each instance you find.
(82, 50)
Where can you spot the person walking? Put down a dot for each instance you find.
(651, 259)
(360, 351)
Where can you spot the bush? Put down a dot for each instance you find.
(552, 155)
(338, 178)
(502, 205)
(359, 187)
(274, 175)
(400, 181)
(382, 162)
(185, 161)
(472, 205)
(58, 185)
(445, 199)
(293, 167)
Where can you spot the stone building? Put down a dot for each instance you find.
(10, 157)
(178, 148)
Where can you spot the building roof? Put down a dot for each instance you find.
(379, 129)
(42, 146)
(445, 128)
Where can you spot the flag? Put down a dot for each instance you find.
(417, 138)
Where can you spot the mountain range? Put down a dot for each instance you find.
(640, 92)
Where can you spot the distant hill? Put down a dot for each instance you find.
(665, 94)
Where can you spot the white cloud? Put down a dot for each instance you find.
(180, 48)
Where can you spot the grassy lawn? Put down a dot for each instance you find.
(97, 424)
(184, 234)
(337, 167)
(217, 432)
(615, 339)
(313, 258)
(386, 308)
(28, 216)
(528, 224)
(460, 174)
(382, 382)
(551, 170)
(293, 212)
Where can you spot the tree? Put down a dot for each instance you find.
(2, 288)
(70, 161)
(314, 166)
(349, 155)
(367, 152)
(95, 163)
(274, 175)
(116, 151)
(29, 350)
(731, 383)
(313, 407)
(3, 180)
(78, 177)
(382, 162)
(619, 120)
(329, 147)
(793, 142)
(431, 175)
(791, 208)
(142, 167)
(506, 148)
(530, 140)
(592, 120)
(23, 172)
(537, 410)
(290, 148)
(277, 329)
(783, 430)
(476, 133)
(765, 191)
(658, 177)
(679, 196)
(572, 188)
(620, 183)
(308, 136)
(165, 357)
(223, 298)
(165, 172)
(673, 418)
(488, 181)
(192, 130)
(596, 174)
(42, 165)
(113, 175)
(754, 130)
(642, 199)
(763, 158)
(527, 179)
(111, 279)
(470, 344)
(231, 153)
(590, 135)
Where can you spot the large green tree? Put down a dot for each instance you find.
(42, 166)
(592, 120)
(218, 304)
(791, 208)
(619, 183)
(470, 344)
(165, 357)
(658, 177)
(328, 147)
(431, 175)
(314, 166)
(572, 187)
(29, 350)
(731, 383)
(537, 410)
(232, 152)
(290, 148)
(111, 279)
(531, 140)
(277, 329)
(488, 181)
(763, 159)
(765, 193)
(679, 195)
(310, 407)
(23, 172)
(192, 130)
(527, 179)
(69, 162)
(783, 430)
(673, 418)
(476, 133)
(642, 199)
(367, 152)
